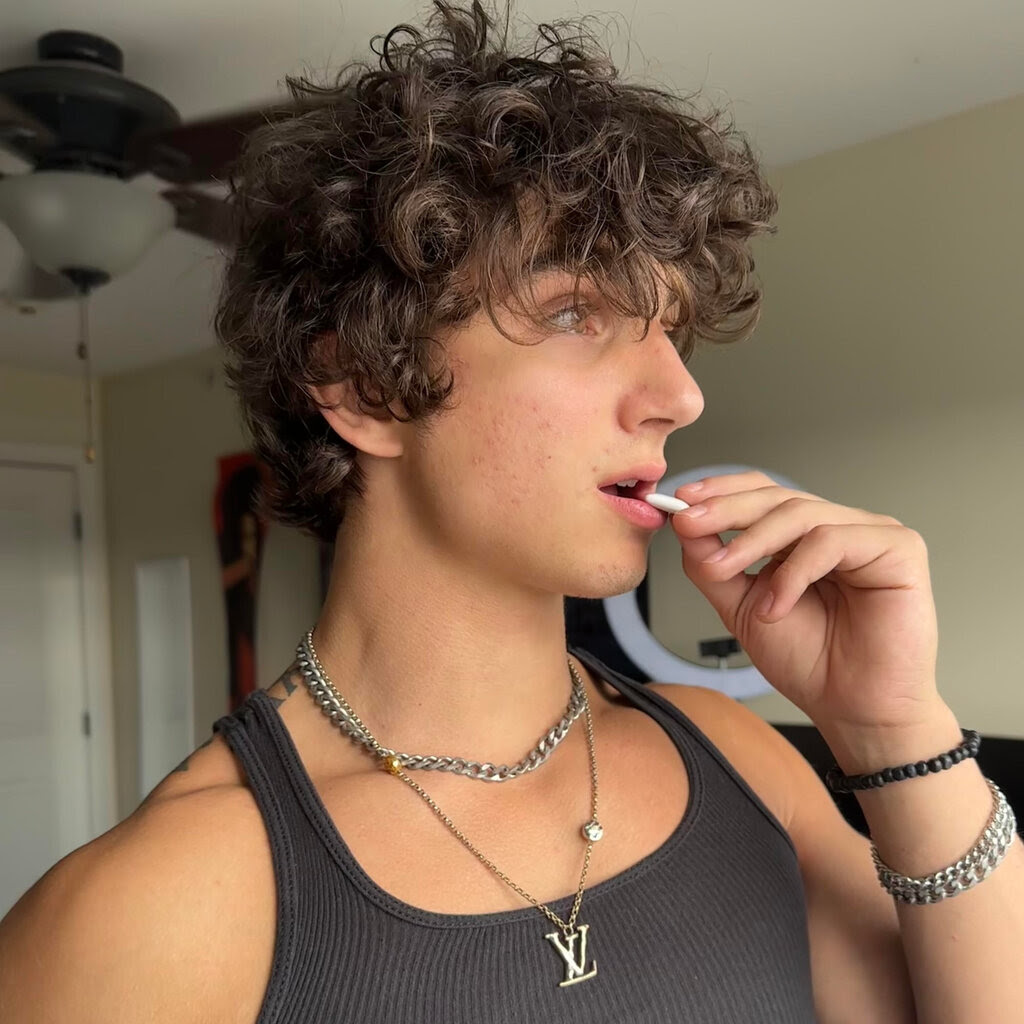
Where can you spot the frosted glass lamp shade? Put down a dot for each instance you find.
(76, 219)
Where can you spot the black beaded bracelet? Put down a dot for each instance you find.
(840, 783)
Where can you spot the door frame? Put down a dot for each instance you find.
(95, 602)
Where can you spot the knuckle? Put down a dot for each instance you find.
(917, 538)
(880, 518)
(824, 530)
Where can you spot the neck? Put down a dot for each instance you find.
(433, 657)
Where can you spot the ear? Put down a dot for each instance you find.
(374, 433)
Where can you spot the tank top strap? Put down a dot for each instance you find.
(252, 732)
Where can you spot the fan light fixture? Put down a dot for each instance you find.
(85, 129)
(78, 220)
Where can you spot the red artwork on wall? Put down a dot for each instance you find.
(240, 535)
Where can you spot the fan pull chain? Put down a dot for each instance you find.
(83, 354)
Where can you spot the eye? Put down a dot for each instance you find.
(575, 315)
(565, 318)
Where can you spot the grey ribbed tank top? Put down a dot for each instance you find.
(710, 927)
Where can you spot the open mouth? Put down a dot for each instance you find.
(639, 490)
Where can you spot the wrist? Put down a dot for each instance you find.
(865, 750)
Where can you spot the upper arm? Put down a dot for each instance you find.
(126, 928)
(74, 945)
(858, 965)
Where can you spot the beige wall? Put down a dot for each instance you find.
(42, 408)
(164, 429)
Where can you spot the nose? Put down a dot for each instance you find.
(664, 391)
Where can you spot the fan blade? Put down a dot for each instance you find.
(200, 151)
(31, 283)
(18, 123)
(203, 215)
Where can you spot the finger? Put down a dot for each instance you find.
(728, 483)
(769, 519)
(725, 593)
(698, 527)
(777, 534)
(868, 556)
(736, 483)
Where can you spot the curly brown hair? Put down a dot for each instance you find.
(406, 198)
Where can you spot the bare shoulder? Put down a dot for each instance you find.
(212, 764)
(751, 745)
(150, 921)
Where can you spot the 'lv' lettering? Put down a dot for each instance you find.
(574, 969)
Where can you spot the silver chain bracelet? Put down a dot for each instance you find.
(972, 868)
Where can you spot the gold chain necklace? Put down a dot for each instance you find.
(574, 960)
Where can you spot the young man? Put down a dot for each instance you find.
(459, 315)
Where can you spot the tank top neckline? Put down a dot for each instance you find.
(309, 797)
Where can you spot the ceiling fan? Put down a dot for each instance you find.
(87, 131)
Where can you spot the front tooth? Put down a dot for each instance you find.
(627, 483)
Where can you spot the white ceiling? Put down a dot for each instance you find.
(803, 77)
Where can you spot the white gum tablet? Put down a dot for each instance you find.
(665, 502)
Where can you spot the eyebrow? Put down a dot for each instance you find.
(546, 266)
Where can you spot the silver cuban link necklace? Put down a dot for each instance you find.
(331, 702)
(337, 709)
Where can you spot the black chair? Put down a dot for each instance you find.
(1000, 759)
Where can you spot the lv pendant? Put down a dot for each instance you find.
(575, 969)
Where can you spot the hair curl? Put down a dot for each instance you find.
(408, 197)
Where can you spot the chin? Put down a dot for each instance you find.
(608, 581)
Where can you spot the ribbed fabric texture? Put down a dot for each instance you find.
(709, 929)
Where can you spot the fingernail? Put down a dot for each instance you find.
(717, 556)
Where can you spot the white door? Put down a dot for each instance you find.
(44, 757)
